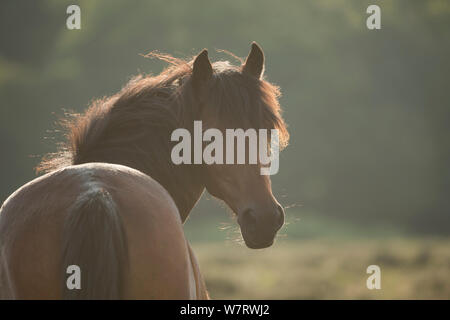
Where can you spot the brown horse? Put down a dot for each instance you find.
(113, 203)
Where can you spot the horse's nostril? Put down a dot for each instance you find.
(248, 218)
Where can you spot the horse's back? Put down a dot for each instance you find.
(32, 232)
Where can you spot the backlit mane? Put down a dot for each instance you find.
(133, 127)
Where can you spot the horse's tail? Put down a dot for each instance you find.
(94, 240)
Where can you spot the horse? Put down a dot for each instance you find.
(112, 203)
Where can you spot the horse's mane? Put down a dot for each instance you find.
(133, 127)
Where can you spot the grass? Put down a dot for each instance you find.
(321, 259)
(315, 269)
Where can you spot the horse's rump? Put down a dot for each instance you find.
(116, 214)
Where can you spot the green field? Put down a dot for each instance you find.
(410, 269)
(320, 260)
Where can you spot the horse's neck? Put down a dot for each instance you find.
(190, 177)
(184, 182)
(188, 190)
(151, 154)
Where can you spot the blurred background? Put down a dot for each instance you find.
(365, 179)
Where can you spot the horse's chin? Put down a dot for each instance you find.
(258, 245)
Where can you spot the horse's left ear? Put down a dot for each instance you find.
(202, 70)
(254, 64)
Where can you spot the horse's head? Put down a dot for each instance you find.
(231, 97)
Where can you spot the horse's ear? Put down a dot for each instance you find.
(202, 70)
(254, 64)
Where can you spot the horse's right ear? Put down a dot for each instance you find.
(254, 64)
(202, 70)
